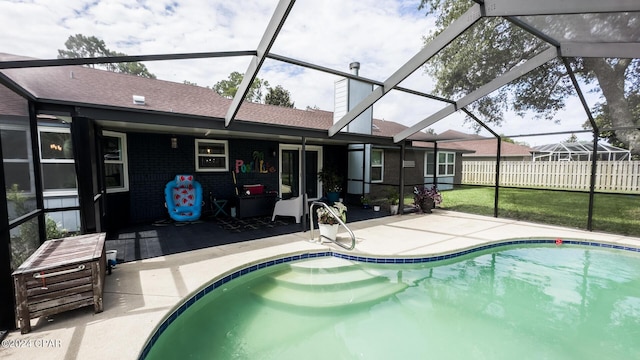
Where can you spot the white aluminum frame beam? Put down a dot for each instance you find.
(438, 43)
(484, 90)
(555, 7)
(268, 38)
(600, 50)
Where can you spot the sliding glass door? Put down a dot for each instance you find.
(291, 170)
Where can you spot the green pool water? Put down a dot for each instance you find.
(507, 303)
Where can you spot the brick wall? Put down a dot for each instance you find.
(392, 169)
(153, 163)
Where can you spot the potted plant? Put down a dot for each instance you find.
(332, 183)
(327, 222)
(394, 199)
(426, 198)
(364, 200)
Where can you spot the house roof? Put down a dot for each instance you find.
(93, 87)
(458, 135)
(481, 146)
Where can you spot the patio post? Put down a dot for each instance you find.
(7, 305)
(303, 185)
(497, 186)
(84, 145)
(435, 163)
(37, 171)
(596, 132)
(592, 181)
(401, 196)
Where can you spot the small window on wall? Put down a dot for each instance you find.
(114, 150)
(429, 159)
(212, 155)
(377, 165)
(16, 151)
(446, 164)
(56, 158)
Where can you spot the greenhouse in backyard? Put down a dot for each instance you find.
(579, 151)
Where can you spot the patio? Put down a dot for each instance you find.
(139, 293)
(146, 241)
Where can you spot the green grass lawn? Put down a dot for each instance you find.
(612, 213)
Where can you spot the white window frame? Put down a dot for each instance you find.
(124, 161)
(381, 166)
(55, 129)
(29, 158)
(225, 156)
(316, 148)
(427, 168)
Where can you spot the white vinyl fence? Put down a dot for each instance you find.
(614, 176)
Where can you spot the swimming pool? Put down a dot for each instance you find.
(529, 301)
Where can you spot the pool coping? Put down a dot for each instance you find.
(266, 262)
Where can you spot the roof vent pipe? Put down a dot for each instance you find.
(354, 67)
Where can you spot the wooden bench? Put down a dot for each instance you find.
(63, 274)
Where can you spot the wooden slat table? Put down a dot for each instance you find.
(63, 274)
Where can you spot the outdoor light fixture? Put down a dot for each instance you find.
(174, 142)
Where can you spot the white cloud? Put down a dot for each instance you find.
(381, 34)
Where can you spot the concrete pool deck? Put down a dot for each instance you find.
(139, 294)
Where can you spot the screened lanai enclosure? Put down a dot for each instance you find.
(525, 71)
(579, 151)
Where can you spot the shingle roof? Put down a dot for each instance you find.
(82, 85)
(12, 103)
(487, 147)
(454, 134)
(478, 145)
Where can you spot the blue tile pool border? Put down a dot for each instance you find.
(376, 260)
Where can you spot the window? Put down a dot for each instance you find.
(212, 155)
(377, 165)
(16, 150)
(428, 166)
(56, 158)
(114, 150)
(446, 164)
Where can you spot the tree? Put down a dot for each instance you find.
(229, 87)
(80, 46)
(572, 139)
(493, 46)
(603, 119)
(278, 96)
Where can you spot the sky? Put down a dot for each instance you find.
(380, 34)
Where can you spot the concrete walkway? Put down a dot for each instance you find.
(139, 294)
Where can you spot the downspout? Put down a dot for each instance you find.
(596, 132)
